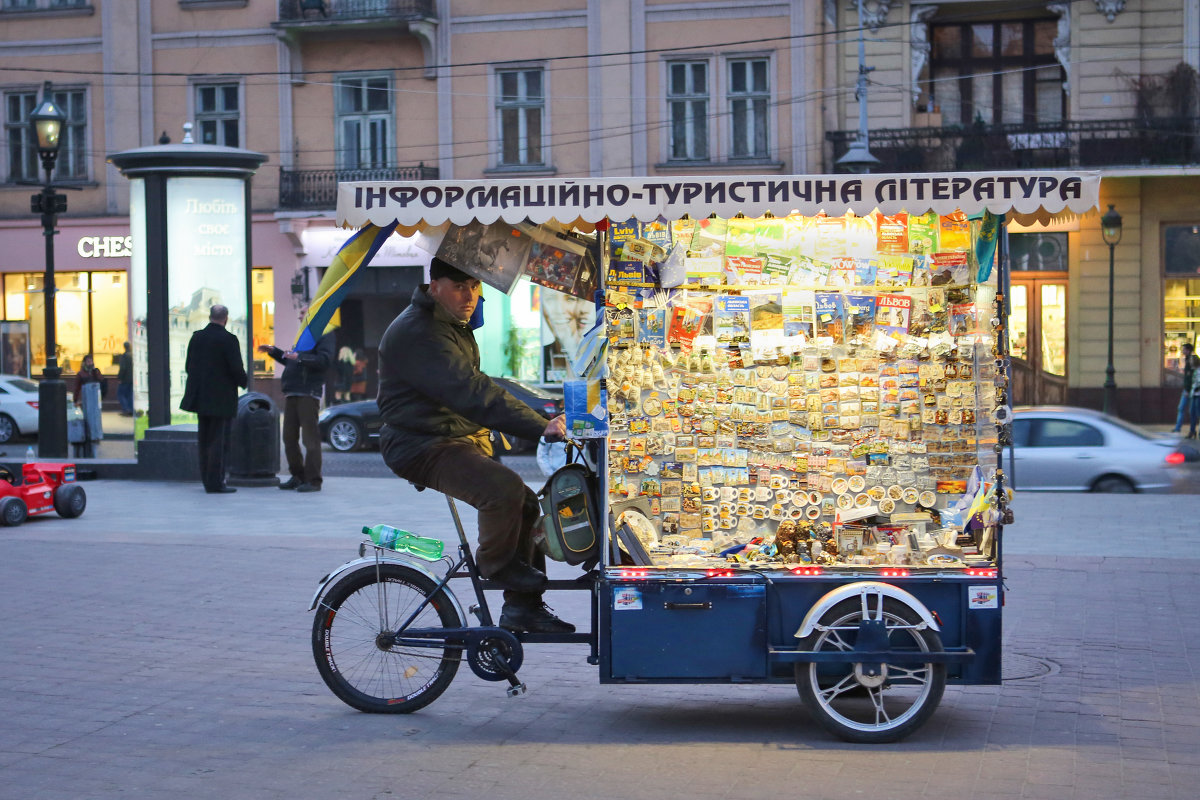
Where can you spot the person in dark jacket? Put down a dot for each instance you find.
(303, 382)
(436, 407)
(125, 382)
(214, 373)
(88, 373)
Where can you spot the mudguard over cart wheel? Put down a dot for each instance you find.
(851, 702)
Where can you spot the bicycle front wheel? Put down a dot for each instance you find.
(353, 647)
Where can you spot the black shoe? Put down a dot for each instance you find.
(291, 483)
(535, 618)
(520, 577)
(309, 487)
(222, 490)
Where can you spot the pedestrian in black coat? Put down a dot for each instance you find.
(214, 373)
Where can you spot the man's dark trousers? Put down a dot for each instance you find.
(507, 507)
(213, 440)
(300, 427)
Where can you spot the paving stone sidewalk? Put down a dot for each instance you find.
(158, 647)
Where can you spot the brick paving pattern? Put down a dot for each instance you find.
(158, 647)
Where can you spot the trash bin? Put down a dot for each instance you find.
(254, 441)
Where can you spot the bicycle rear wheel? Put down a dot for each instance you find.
(352, 647)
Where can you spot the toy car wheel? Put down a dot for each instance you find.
(12, 511)
(70, 500)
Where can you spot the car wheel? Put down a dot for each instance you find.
(1113, 484)
(8, 429)
(13, 511)
(345, 435)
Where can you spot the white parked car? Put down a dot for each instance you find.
(18, 407)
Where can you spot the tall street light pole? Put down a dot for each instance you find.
(1110, 229)
(857, 158)
(47, 121)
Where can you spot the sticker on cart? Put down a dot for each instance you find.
(627, 600)
(983, 597)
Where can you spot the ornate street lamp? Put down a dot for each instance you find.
(47, 122)
(1110, 229)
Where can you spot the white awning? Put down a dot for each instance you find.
(582, 202)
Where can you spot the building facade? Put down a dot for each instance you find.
(336, 90)
(1104, 85)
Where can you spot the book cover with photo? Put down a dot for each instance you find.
(731, 319)
(830, 316)
(860, 316)
(892, 313)
(495, 254)
(798, 313)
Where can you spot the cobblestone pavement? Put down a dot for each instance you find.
(158, 647)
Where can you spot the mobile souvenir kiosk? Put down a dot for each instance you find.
(798, 401)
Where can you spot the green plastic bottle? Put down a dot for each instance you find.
(405, 542)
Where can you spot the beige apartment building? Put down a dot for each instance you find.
(335, 90)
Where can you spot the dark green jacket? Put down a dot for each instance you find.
(430, 386)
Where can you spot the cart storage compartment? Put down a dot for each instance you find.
(672, 631)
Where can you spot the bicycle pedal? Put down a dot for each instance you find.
(516, 691)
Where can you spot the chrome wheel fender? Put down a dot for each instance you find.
(872, 593)
(368, 563)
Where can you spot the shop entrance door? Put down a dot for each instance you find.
(1037, 340)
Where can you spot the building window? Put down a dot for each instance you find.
(1181, 296)
(687, 108)
(364, 122)
(23, 162)
(262, 315)
(748, 96)
(218, 114)
(91, 316)
(520, 109)
(999, 72)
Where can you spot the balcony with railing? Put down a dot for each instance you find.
(1086, 143)
(317, 188)
(335, 11)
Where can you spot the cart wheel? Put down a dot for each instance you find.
(863, 708)
(13, 511)
(70, 500)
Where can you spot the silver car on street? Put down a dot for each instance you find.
(1061, 448)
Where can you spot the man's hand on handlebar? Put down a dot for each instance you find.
(556, 429)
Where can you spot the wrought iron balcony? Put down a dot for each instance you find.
(1090, 143)
(317, 189)
(334, 11)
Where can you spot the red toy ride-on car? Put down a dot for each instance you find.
(44, 487)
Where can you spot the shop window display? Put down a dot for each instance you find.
(813, 391)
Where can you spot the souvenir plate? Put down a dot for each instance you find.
(928, 499)
(861, 501)
(894, 492)
(845, 501)
(857, 483)
(813, 512)
(815, 498)
(840, 485)
(911, 495)
(887, 505)
(652, 406)
(877, 493)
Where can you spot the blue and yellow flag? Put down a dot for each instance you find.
(355, 254)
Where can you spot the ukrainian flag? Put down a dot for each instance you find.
(356, 253)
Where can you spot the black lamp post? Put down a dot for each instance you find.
(1110, 229)
(47, 121)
